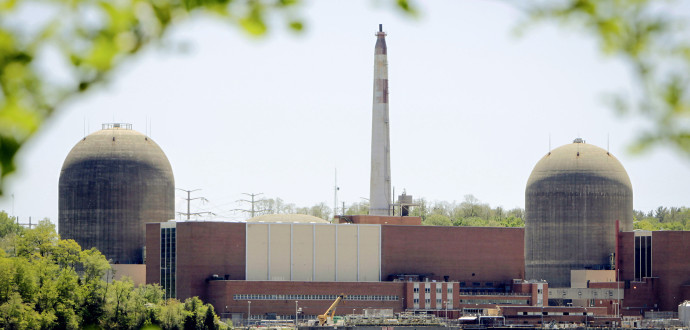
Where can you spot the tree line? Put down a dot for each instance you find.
(472, 212)
(51, 283)
(663, 218)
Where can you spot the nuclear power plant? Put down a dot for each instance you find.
(112, 183)
(576, 261)
(577, 198)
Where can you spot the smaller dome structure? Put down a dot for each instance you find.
(287, 218)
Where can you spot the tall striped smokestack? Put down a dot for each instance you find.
(380, 186)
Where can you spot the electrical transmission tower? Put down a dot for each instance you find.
(253, 210)
(189, 199)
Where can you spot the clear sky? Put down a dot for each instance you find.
(472, 109)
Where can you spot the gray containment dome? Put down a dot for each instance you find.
(573, 198)
(111, 184)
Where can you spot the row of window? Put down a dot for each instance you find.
(311, 297)
(439, 302)
(438, 290)
(475, 284)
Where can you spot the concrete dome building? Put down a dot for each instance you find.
(573, 198)
(112, 183)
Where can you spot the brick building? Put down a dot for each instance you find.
(274, 269)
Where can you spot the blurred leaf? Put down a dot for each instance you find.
(296, 25)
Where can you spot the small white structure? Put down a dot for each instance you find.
(684, 313)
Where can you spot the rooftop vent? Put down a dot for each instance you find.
(116, 126)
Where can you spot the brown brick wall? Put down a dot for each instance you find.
(670, 268)
(671, 264)
(462, 253)
(626, 260)
(220, 294)
(153, 253)
(207, 248)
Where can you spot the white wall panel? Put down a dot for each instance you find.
(257, 252)
(302, 252)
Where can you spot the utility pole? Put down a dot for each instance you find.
(253, 201)
(25, 224)
(189, 199)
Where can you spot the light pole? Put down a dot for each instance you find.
(446, 303)
(249, 311)
(295, 312)
(586, 318)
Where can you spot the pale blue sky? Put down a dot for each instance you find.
(471, 106)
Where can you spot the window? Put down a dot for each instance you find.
(438, 289)
(450, 290)
(416, 290)
(416, 301)
(643, 257)
(427, 301)
(168, 264)
(427, 290)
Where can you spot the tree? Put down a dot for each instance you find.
(8, 225)
(437, 220)
(210, 319)
(54, 284)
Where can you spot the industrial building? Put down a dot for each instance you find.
(575, 196)
(577, 259)
(113, 182)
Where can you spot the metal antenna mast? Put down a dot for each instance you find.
(189, 199)
(253, 201)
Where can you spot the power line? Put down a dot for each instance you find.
(189, 199)
(253, 201)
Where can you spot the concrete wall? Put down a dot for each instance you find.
(112, 183)
(137, 273)
(581, 278)
(313, 252)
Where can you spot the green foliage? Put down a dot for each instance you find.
(437, 220)
(663, 218)
(8, 225)
(651, 37)
(470, 213)
(52, 284)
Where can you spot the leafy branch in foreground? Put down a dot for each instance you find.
(651, 36)
(89, 39)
